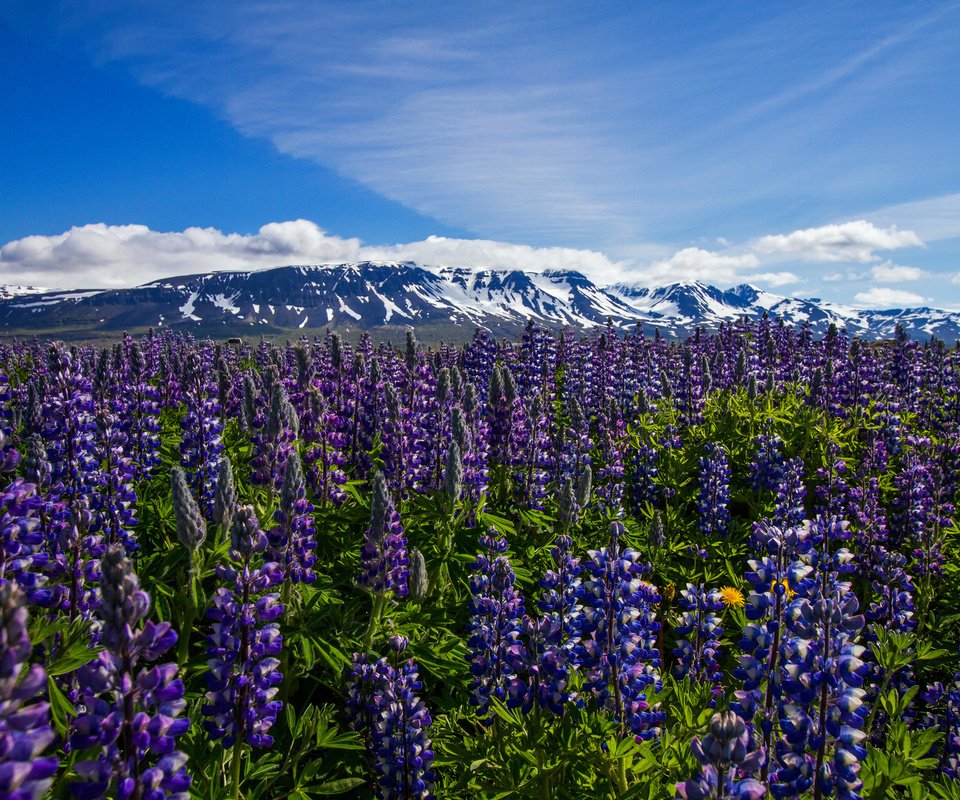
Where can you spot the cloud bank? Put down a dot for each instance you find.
(108, 256)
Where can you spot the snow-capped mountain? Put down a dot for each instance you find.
(447, 302)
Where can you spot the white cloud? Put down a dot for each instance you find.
(855, 241)
(894, 273)
(694, 263)
(773, 278)
(883, 297)
(105, 256)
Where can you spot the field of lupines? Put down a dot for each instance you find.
(558, 568)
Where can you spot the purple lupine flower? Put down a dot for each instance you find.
(201, 445)
(116, 502)
(366, 682)
(22, 559)
(384, 551)
(143, 425)
(292, 539)
(245, 641)
(713, 500)
(699, 630)
(131, 706)
(324, 452)
(383, 706)
(767, 466)
(776, 577)
(725, 758)
(560, 604)
(497, 653)
(789, 510)
(25, 732)
(404, 753)
(822, 712)
(274, 441)
(617, 652)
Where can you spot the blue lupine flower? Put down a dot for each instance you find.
(726, 758)
(617, 651)
(404, 753)
(713, 500)
(245, 641)
(698, 631)
(385, 565)
(292, 540)
(497, 653)
(25, 732)
(131, 706)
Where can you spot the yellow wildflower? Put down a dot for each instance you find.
(732, 597)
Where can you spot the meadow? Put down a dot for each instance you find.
(598, 565)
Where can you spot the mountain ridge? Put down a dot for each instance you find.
(390, 295)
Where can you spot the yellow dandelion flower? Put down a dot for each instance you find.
(732, 597)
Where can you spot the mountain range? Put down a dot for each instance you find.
(448, 303)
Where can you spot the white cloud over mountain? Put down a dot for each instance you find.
(884, 297)
(105, 256)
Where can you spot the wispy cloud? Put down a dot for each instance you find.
(586, 127)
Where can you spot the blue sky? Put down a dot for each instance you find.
(805, 149)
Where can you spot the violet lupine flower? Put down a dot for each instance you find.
(117, 499)
(243, 647)
(22, 559)
(324, 453)
(560, 604)
(384, 552)
(776, 578)
(894, 589)
(713, 500)
(496, 615)
(609, 484)
(789, 510)
(617, 652)
(767, 465)
(25, 732)
(404, 752)
(382, 705)
(274, 441)
(643, 479)
(366, 681)
(823, 710)
(725, 757)
(143, 426)
(131, 707)
(201, 445)
(699, 630)
(292, 539)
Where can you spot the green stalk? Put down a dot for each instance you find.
(183, 651)
(374, 626)
(237, 759)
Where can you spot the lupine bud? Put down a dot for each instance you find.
(225, 497)
(191, 526)
(418, 582)
(453, 474)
